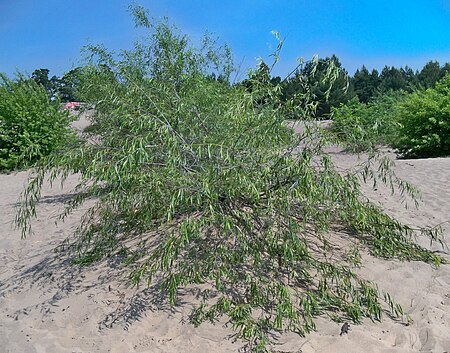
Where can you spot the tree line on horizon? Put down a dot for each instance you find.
(365, 85)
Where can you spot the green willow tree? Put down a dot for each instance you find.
(196, 184)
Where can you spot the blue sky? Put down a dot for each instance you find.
(50, 33)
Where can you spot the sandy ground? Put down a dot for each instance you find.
(47, 305)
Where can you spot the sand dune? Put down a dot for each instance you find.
(46, 305)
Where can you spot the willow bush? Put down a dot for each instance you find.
(365, 126)
(200, 183)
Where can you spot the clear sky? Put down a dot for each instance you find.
(50, 33)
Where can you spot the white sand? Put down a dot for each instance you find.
(46, 305)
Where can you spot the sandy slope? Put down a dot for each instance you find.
(48, 306)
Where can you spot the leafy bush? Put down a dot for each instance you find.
(199, 183)
(363, 126)
(31, 126)
(425, 122)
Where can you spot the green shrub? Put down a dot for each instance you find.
(350, 125)
(363, 126)
(199, 183)
(31, 126)
(425, 122)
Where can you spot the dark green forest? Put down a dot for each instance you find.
(365, 85)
